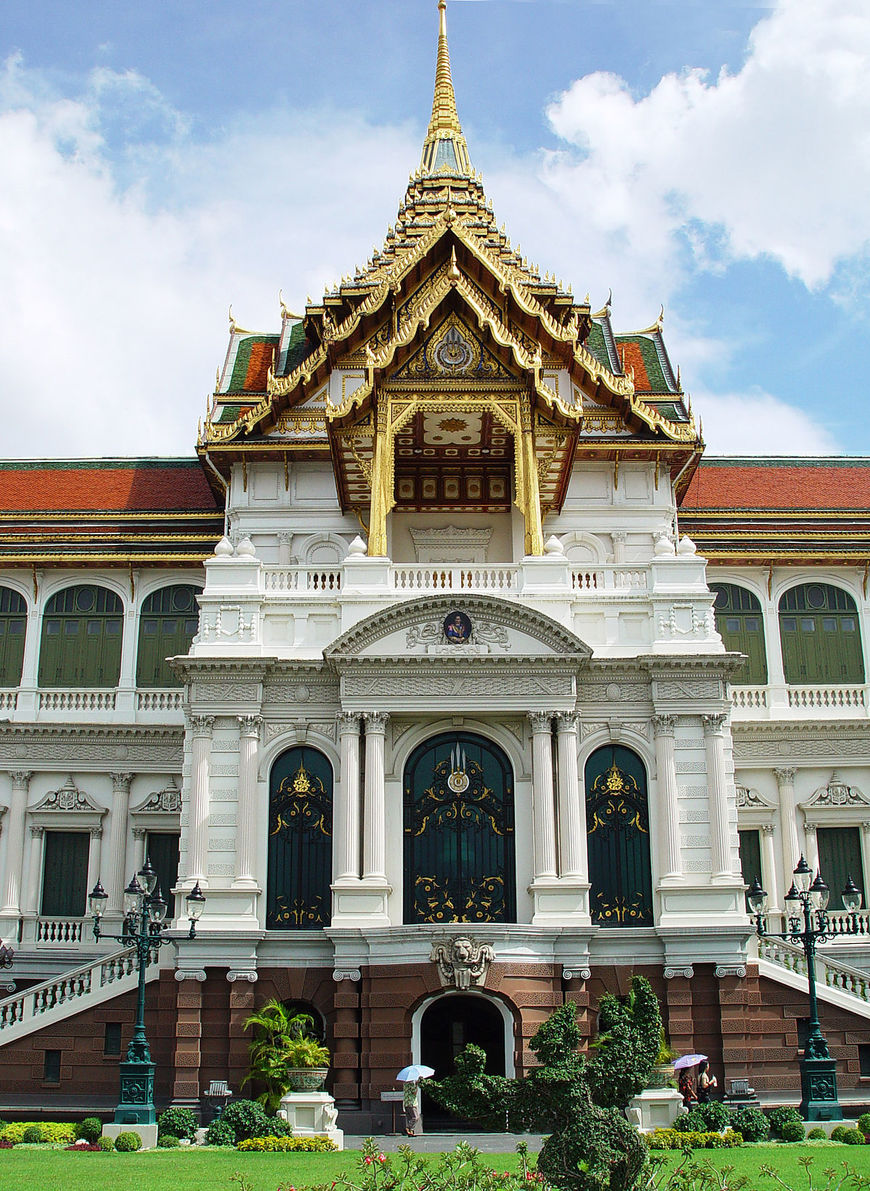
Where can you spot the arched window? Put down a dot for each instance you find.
(81, 638)
(821, 641)
(13, 626)
(617, 826)
(459, 832)
(300, 841)
(738, 620)
(167, 625)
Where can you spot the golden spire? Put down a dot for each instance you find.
(445, 150)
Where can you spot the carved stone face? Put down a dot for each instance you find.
(462, 951)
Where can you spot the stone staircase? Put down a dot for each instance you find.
(70, 993)
(836, 983)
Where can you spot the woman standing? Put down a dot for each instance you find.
(706, 1083)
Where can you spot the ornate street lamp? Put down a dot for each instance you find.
(143, 929)
(6, 956)
(806, 905)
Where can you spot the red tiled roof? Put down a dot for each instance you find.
(632, 358)
(258, 365)
(104, 486)
(779, 484)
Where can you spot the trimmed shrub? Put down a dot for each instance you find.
(715, 1115)
(247, 1119)
(53, 1132)
(91, 1129)
(287, 1145)
(780, 1117)
(168, 1141)
(177, 1122)
(128, 1143)
(106, 1144)
(32, 1134)
(83, 1147)
(752, 1123)
(674, 1139)
(817, 1133)
(691, 1122)
(864, 1122)
(854, 1137)
(839, 1132)
(220, 1133)
(792, 1131)
(6, 1145)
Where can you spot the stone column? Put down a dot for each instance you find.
(188, 1037)
(34, 876)
(664, 727)
(792, 847)
(241, 1007)
(346, 819)
(374, 843)
(95, 849)
(201, 728)
(346, 1031)
(542, 794)
(139, 834)
(572, 804)
(714, 746)
(247, 818)
(680, 1014)
(117, 867)
(15, 843)
(812, 848)
(865, 857)
(770, 877)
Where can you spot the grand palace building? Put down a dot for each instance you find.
(455, 675)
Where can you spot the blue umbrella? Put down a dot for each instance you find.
(414, 1072)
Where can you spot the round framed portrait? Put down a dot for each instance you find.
(457, 628)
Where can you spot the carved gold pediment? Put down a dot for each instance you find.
(453, 350)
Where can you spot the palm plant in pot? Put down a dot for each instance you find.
(286, 1053)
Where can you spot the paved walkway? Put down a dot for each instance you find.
(435, 1143)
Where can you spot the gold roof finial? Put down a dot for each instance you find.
(445, 149)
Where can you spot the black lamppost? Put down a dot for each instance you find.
(143, 929)
(6, 956)
(806, 905)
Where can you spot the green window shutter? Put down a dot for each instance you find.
(821, 641)
(617, 838)
(162, 850)
(168, 624)
(65, 869)
(840, 858)
(459, 832)
(750, 856)
(741, 626)
(13, 627)
(81, 638)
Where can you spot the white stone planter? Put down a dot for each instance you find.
(655, 1108)
(311, 1114)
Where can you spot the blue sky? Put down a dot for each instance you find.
(159, 163)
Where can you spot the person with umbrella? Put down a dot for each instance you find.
(685, 1082)
(410, 1077)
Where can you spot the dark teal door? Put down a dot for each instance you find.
(617, 827)
(300, 841)
(459, 832)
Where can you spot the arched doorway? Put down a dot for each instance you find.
(447, 1026)
(617, 825)
(459, 832)
(300, 841)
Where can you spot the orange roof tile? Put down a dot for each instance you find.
(104, 486)
(780, 484)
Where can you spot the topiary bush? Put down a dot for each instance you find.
(854, 1137)
(674, 1139)
(54, 1132)
(32, 1135)
(219, 1133)
(715, 1115)
(247, 1119)
(792, 1131)
(128, 1143)
(287, 1145)
(864, 1122)
(817, 1133)
(691, 1122)
(106, 1144)
(90, 1129)
(781, 1117)
(839, 1132)
(167, 1141)
(752, 1123)
(178, 1122)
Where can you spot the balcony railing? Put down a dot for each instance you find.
(60, 932)
(826, 696)
(810, 700)
(77, 700)
(159, 700)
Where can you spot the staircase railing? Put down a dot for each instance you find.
(830, 972)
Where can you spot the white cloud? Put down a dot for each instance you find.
(757, 423)
(771, 161)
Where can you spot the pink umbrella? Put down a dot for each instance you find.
(688, 1061)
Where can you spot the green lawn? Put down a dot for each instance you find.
(39, 1169)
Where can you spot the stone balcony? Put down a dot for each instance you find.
(823, 701)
